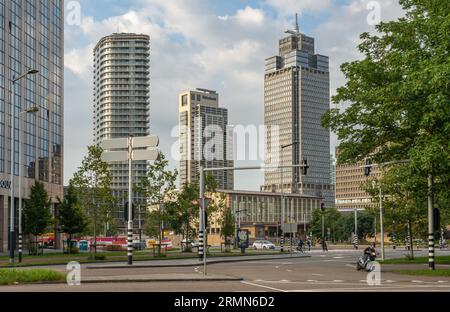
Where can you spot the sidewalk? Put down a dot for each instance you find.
(193, 262)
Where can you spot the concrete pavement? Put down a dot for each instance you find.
(332, 271)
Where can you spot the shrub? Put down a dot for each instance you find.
(114, 248)
(13, 276)
(97, 257)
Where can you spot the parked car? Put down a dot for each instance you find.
(263, 244)
(191, 242)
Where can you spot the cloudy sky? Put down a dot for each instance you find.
(219, 45)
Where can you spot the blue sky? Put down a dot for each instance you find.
(218, 45)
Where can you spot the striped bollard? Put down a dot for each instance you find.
(130, 246)
(200, 245)
(282, 242)
(20, 247)
(431, 251)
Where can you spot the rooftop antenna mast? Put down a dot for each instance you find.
(297, 28)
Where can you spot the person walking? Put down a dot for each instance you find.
(309, 243)
(324, 245)
(300, 245)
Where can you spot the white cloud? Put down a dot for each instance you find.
(250, 16)
(290, 7)
(193, 47)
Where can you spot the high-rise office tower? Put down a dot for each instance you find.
(121, 100)
(204, 138)
(31, 39)
(296, 95)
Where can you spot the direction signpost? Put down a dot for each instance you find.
(129, 149)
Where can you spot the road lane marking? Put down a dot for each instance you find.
(263, 286)
(316, 274)
(338, 257)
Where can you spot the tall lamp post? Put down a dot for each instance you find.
(12, 211)
(282, 197)
(30, 110)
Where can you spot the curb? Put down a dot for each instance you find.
(200, 263)
(138, 280)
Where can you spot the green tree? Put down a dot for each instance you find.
(228, 226)
(71, 217)
(92, 182)
(158, 187)
(37, 212)
(399, 103)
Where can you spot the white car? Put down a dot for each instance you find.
(263, 244)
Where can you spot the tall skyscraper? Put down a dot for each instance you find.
(203, 137)
(296, 95)
(121, 100)
(31, 39)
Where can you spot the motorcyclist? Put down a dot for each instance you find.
(368, 252)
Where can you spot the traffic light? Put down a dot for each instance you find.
(126, 211)
(305, 167)
(367, 168)
(436, 219)
(322, 207)
(206, 219)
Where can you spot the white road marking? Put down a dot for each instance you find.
(288, 270)
(263, 286)
(311, 280)
(338, 281)
(338, 257)
(416, 281)
(389, 281)
(316, 274)
(442, 281)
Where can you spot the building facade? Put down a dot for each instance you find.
(31, 39)
(204, 137)
(350, 180)
(296, 95)
(260, 213)
(121, 101)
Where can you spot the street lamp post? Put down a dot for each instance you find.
(12, 161)
(33, 109)
(282, 197)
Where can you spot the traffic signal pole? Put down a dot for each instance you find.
(130, 203)
(430, 224)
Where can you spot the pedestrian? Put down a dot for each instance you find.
(300, 245)
(309, 243)
(324, 245)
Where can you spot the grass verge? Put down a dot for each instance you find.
(84, 258)
(438, 272)
(417, 260)
(13, 276)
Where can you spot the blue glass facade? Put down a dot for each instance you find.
(31, 37)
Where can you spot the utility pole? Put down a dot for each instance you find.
(355, 236)
(381, 224)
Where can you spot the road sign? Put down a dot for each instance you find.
(290, 228)
(148, 141)
(115, 156)
(114, 143)
(145, 154)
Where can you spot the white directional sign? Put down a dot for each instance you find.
(118, 150)
(115, 156)
(148, 141)
(114, 143)
(145, 154)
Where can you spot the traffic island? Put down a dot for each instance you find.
(196, 262)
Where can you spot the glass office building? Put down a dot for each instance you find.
(296, 96)
(31, 38)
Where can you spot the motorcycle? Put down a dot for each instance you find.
(364, 261)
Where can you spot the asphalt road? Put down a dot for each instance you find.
(331, 271)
